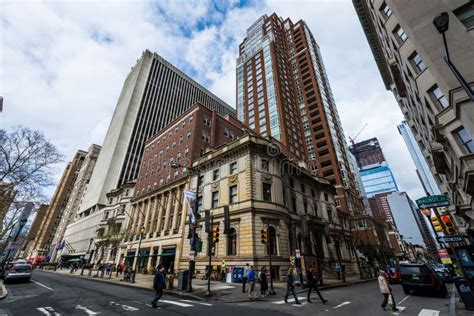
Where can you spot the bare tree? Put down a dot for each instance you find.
(26, 165)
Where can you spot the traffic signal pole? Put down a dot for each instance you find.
(272, 290)
(209, 252)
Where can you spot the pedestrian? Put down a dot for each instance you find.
(159, 283)
(223, 270)
(313, 284)
(386, 291)
(245, 276)
(251, 280)
(338, 270)
(290, 285)
(262, 277)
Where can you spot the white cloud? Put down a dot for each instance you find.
(63, 64)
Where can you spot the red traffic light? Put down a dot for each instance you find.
(446, 218)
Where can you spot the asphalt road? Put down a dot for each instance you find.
(53, 295)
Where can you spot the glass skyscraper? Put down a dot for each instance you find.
(422, 169)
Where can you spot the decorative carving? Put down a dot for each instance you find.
(267, 177)
(215, 185)
(233, 178)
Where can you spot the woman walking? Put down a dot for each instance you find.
(290, 286)
(313, 284)
(386, 291)
(262, 276)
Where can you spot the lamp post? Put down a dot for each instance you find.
(192, 227)
(142, 231)
(21, 224)
(441, 22)
(88, 259)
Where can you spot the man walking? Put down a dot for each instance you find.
(313, 284)
(338, 270)
(262, 277)
(245, 276)
(158, 284)
(386, 291)
(290, 286)
(251, 280)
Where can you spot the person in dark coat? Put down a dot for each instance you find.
(290, 286)
(313, 284)
(158, 284)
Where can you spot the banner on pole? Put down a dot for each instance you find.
(191, 198)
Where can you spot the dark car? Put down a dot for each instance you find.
(420, 277)
(18, 271)
(444, 275)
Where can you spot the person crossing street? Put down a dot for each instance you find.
(245, 276)
(313, 284)
(159, 283)
(251, 280)
(386, 292)
(223, 270)
(290, 285)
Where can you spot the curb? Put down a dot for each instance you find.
(124, 284)
(4, 291)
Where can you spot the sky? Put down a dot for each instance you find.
(63, 64)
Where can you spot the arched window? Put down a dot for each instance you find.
(273, 240)
(232, 242)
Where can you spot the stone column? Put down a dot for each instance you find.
(179, 200)
(160, 208)
(168, 210)
(147, 216)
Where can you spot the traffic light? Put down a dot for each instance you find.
(264, 236)
(215, 234)
(436, 224)
(448, 223)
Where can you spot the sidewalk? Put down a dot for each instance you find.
(224, 292)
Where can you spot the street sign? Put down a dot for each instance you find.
(454, 238)
(433, 201)
(444, 256)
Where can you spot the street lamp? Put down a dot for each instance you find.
(88, 260)
(192, 227)
(441, 22)
(142, 231)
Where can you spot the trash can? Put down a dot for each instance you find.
(170, 281)
(228, 275)
(183, 280)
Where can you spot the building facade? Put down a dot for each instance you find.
(154, 94)
(42, 242)
(33, 231)
(7, 196)
(409, 53)
(283, 92)
(422, 170)
(158, 205)
(62, 243)
(380, 208)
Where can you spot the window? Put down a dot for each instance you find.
(232, 242)
(438, 96)
(326, 198)
(206, 120)
(215, 175)
(293, 204)
(302, 188)
(465, 14)
(386, 10)
(215, 199)
(400, 34)
(233, 167)
(233, 194)
(199, 208)
(267, 192)
(264, 164)
(205, 136)
(272, 247)
(466, 139)
(417, 63)
(200, 179)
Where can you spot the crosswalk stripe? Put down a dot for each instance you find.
(400, 309)
(291, 300)
(201, 303)
(176, 303)
(428, 312)
(340, 305)
(299, 305)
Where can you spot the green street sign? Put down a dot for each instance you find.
(433, 201)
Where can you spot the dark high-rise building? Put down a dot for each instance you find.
(283, 92)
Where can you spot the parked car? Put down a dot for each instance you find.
(421, 277)
(393, 275)
(18, 271)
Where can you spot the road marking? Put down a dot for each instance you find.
(291, 300)
(404, 299)
(301, 304)
(428, 312)
(47, 309)
(189, 301)
(400, 309)
(42, 285)
(88, 311)
(143, 303)
(176, 303)
(125, 307)
(340, 305)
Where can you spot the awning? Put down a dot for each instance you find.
(75, 254)
(167, 254)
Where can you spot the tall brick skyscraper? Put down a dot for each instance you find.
(283, 91)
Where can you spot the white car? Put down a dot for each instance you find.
(18, 271)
